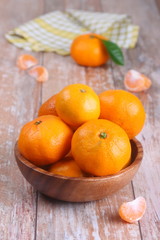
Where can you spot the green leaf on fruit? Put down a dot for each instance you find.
(114, 51)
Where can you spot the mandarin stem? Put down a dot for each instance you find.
(37, 123)
(103, 135)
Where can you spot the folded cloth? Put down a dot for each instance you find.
(55, 31)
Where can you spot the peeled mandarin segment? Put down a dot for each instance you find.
(136, 82)
(133, 211)
(40, 73)
(26, 61)
(148, 82)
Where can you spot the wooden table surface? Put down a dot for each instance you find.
(26, 214)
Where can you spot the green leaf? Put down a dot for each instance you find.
(114, 51)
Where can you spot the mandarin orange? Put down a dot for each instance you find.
(124, 109)
(45, 140)
(66, 167)
(101, 147)
(76, 104)
(88, 50)
(48, 107)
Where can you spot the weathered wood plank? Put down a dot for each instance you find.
(145, 58)
(60, 220)
(19, 96)
(93, 220)
(158, 4)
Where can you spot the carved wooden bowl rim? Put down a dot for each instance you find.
(136, 161)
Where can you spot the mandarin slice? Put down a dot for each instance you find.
(40, 73)
(133, 211)
(136, 82)
(26, 61)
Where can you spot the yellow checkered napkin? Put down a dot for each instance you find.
(55, 31)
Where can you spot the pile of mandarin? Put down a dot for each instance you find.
(79, 134)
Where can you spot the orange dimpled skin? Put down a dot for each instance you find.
(133, 211)
(48, 107)
(88, 50)
(101, 147)
(76, 104)
(66, 167)
(45, 140)
(124, 109)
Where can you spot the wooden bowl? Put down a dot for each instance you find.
(79, 189)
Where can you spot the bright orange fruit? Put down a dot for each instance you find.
(40, 73)
(101, 147)
(66, 167)
(26, 61)
(48, 107)
(133, 211)
(88, 50)
(45, 140)
(136, 82)
(76, 104)
(124, 109)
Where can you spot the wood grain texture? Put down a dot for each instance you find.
(17, 105)
(146, 59)
(26, 215)
(158, 4)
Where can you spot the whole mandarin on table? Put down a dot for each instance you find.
(101, 147)
(77, 104)
(48, 107)
(88, 50)
(45, 140)
(124, 109)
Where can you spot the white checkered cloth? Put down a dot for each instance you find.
(55, 31)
